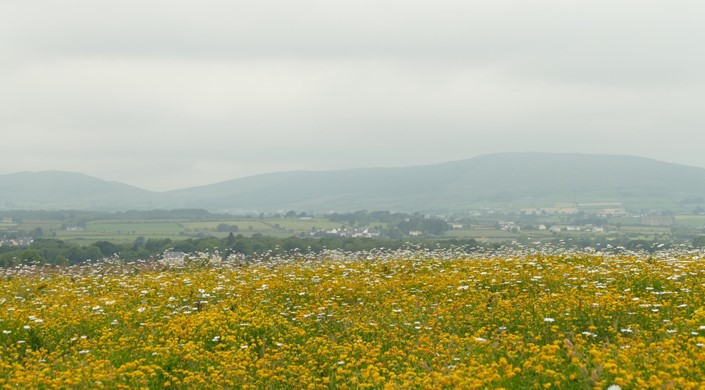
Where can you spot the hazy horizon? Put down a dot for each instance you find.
(164, 95)
(345, 169)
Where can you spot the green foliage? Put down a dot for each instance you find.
(699, 242)
(57, 252)
(107, 248)
(224, 227)
(21, 257)
(433, 226)
(61, 261)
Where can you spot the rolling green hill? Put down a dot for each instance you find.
(511, 181)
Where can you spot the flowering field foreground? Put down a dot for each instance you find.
(417, 320)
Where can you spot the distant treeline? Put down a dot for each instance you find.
(82, 215)
(58, 252)
(359, 218)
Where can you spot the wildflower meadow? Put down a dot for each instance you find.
(404, 319)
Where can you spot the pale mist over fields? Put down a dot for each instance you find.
(169, 94)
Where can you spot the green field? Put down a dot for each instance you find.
(482, 228)
(88, 240)
(121, 231)
(690, 220)
(141, 228)
(8, 226)
(245, 226)
(45, 225)
(487, 235)
(299, 225)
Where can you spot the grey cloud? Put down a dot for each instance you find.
(168, 94)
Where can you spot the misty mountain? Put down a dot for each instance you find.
(512, 180)
(52, 190)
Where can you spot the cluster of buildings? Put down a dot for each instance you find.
(19, 241)
(571, 228)
(598, 209)
(346, 232)
(9, 228)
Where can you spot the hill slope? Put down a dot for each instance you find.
(499, 180)
(66, 190)
(512, 180)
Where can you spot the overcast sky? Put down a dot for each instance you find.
(165, 94)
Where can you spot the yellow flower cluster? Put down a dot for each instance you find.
(566, 321)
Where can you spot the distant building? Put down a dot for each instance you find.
(549, 210)
(509, 226)
(20, 241)
(613, 212)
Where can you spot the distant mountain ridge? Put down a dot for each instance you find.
(510, 180)
(68, 190)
